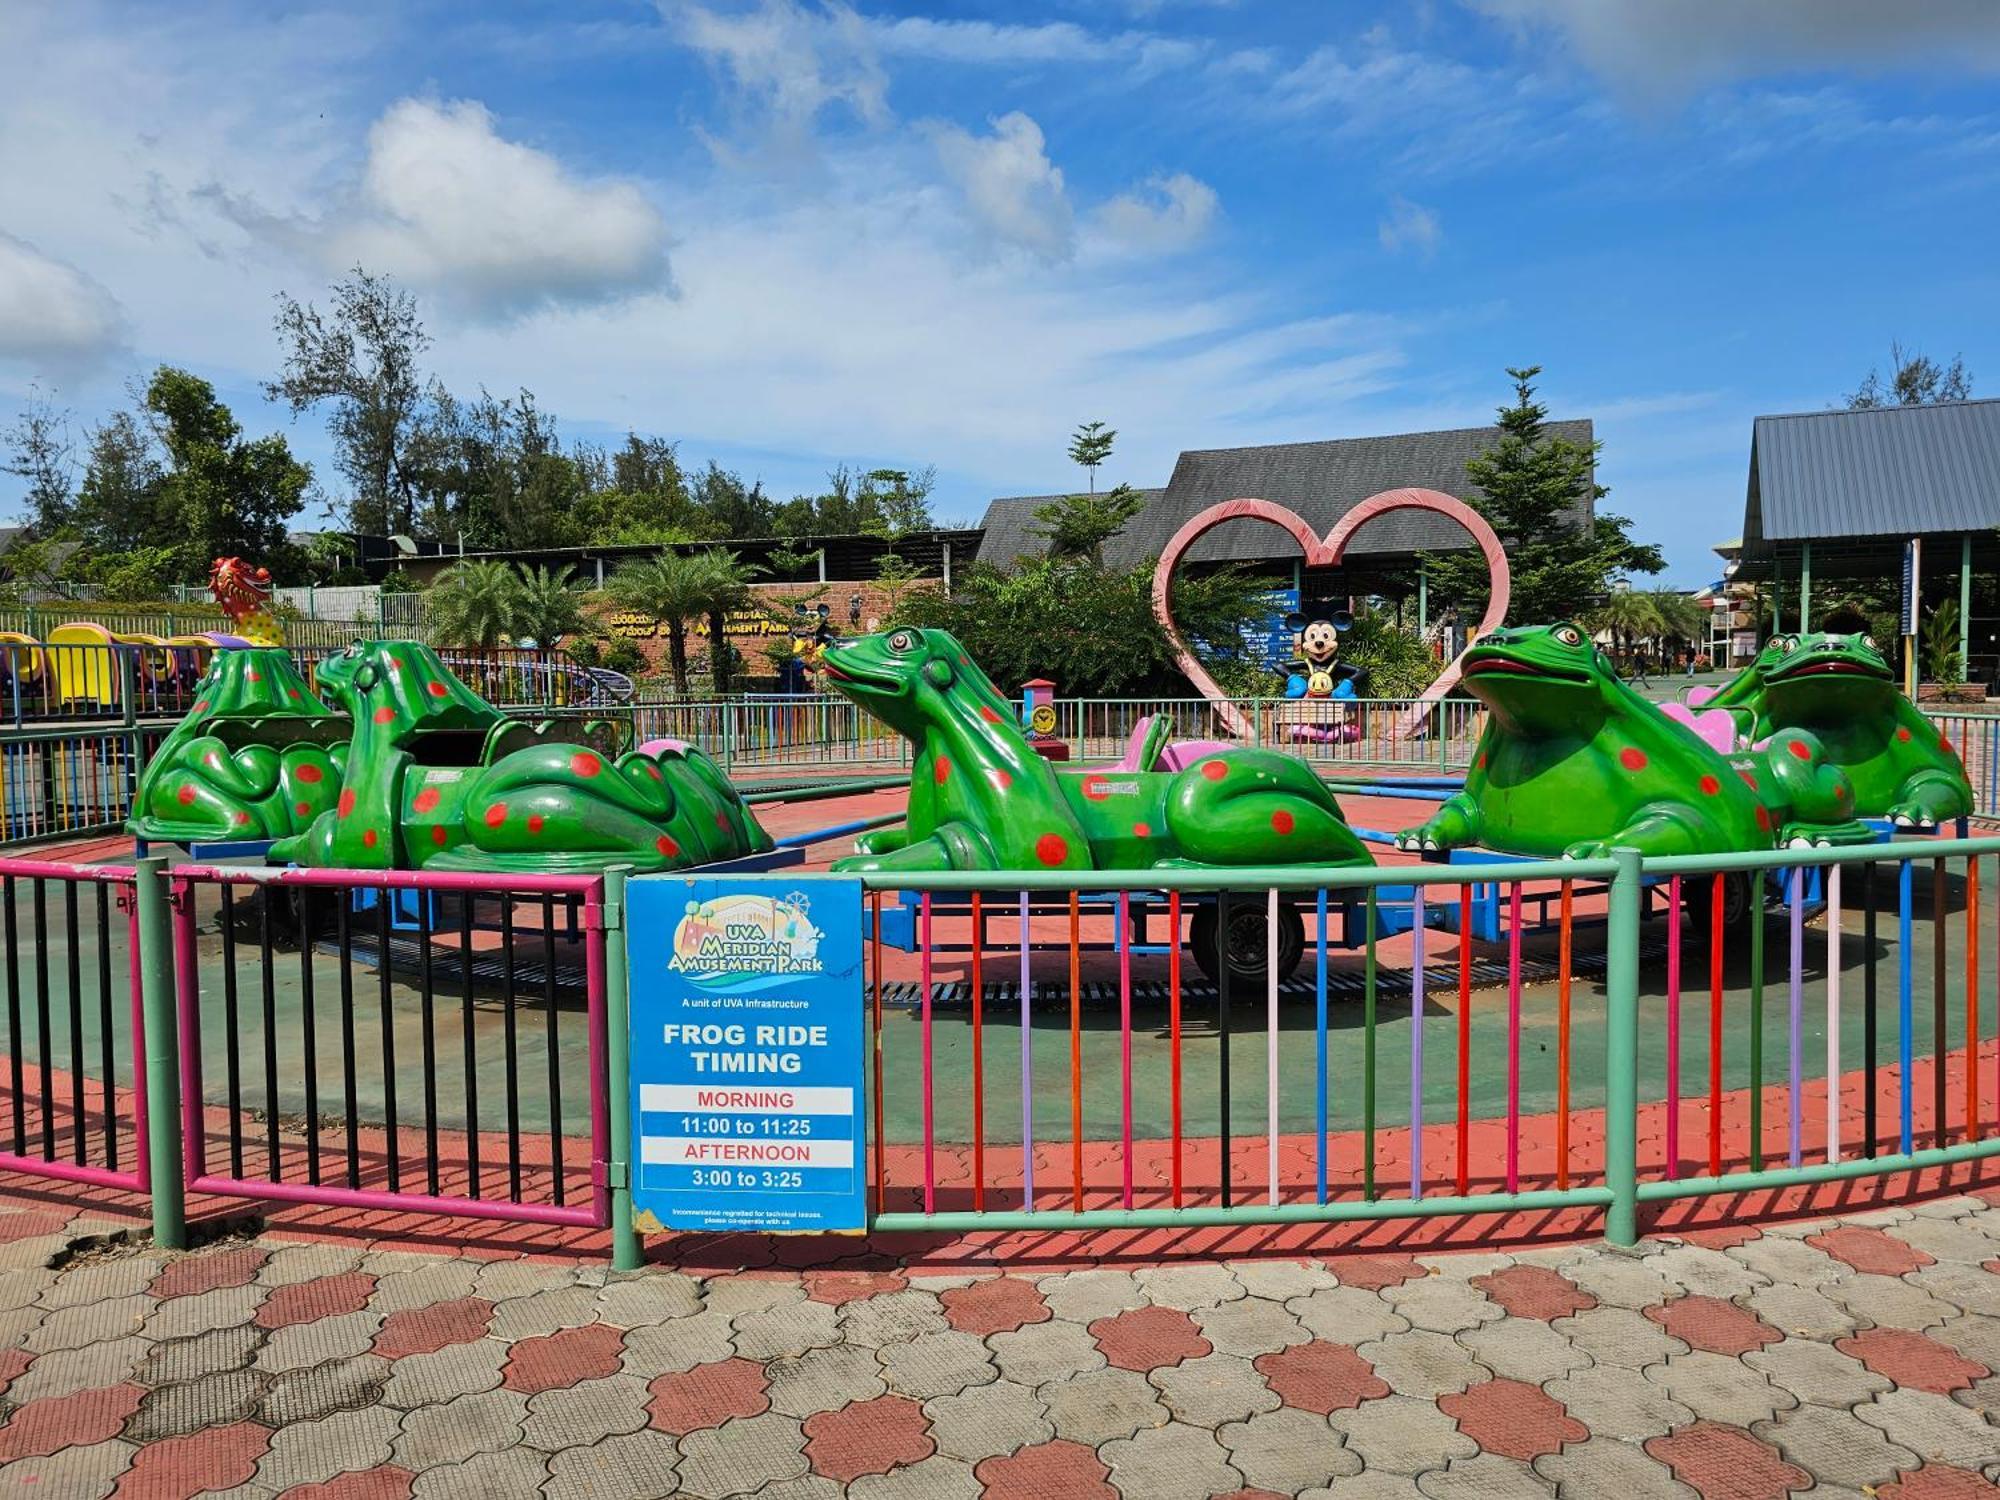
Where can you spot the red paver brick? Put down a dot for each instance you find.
(425, 1330)
(1910, 1359)
(1868, 1249)
(1374, 1271)
(1715, 1325)
(868, 1437)
(309, 1301)
(12, 1363)
(1320, 1377)
(687, 1401)
(563, 1358)
(1938, 1482)
(194, 1274)
(1722, 1236)
(1535, 1292)
(837, 1287)
(1045, 1471)
(1145, 1338)
(386, 1483)
(216, 1458)
(1726, 1463)
(35, 1222)
(999, 1304)
(73, 1421)
(1513, 1419)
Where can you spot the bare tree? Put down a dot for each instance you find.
(1916, 380)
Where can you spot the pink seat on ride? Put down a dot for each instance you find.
(1716, 726)
(654, 747)
(1173, 755)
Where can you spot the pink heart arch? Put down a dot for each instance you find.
(1325, 553)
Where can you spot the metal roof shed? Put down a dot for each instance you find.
(1843, 491)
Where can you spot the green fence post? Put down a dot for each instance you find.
(627, 1253)
(163, 1055)
(1621, 1062)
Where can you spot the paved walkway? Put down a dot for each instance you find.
(1846, 1356)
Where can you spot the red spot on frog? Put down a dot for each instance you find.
(1482, 760)
(201, 706)
(1001, 778)
(1944, 742)
(496, 815)
(654, 771)
(1763, 817)
(214, 761)
(585, 764)
(1748, 780)
(369, 838)
(437, 690)
(534, 823)
(291, 692)
(185, 795)
(241, 819)
(1799, 749)
(722, 821)
(426, 799)
(1214, 770)
(986, 713)
(1710, 786)
(385, 715)
(1632, 758)
(1096, 788)
(345, 806)
(1281, 821)
(1052, 848)
(303, 809)
(941, 770)
(438, 835)
(1903, 735)
(253, 676)
(666, 846)
(310, 774)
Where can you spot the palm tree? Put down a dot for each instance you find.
(727, 590)
(547, 608)
(1681, 618)
(1630, 615)
(670, 590)
(474, 604)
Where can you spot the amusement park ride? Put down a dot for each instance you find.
(394, 763)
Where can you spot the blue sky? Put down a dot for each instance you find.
(791, 234)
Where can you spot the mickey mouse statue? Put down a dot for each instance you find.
(1320, 673)
(811, 630)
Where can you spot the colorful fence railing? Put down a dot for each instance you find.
(360, 1040)
(1577, 1039)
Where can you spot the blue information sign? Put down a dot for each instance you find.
(746, 1053)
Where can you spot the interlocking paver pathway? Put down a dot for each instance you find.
(1847, 1357)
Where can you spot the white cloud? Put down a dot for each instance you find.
(1410, 226)
(1012, 190)
(788, 59)
(488, 226)
(1661, 47)
(997, 43)
(52, 316)
(1166, 212)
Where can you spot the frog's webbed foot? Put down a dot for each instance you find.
(1658, 828)
(955, 846)
(1927, 799)
(1456, 822)
(882, 840)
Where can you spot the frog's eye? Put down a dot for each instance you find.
(1869, 642)
(1569, 635)
(1787, 644)
(902, 640)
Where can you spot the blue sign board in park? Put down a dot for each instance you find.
(746, 1053)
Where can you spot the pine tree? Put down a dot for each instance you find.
(1531, 487)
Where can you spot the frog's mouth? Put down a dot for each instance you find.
(842, 668)
(1513, 666)
(1831, 666)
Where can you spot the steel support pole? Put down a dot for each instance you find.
(1805, 588)
(627, 1252)
(1965, 607)
(164, 1120)
(1621, 1081)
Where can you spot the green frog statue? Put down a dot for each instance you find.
(982, 799)
(1840, 689)
(422, 771)
(1573, 763)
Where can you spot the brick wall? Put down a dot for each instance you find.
(756, 630)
